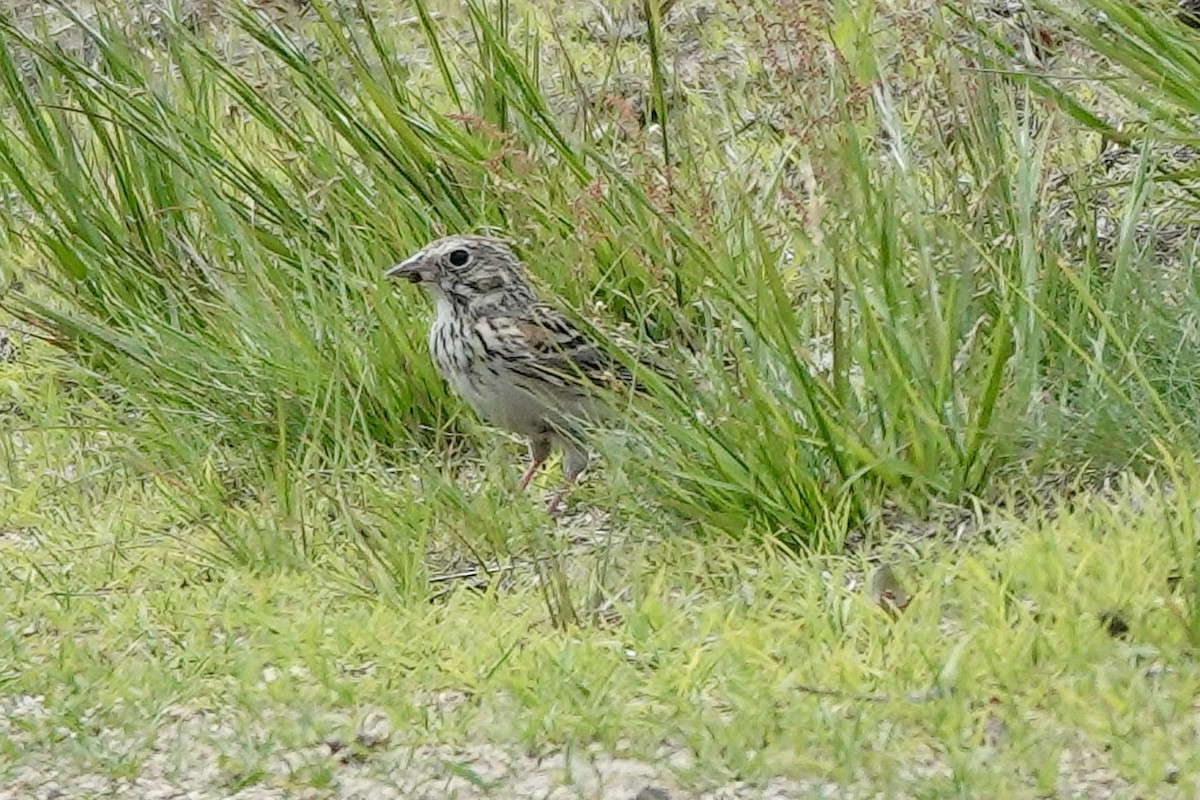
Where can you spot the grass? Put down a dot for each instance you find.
(124, 648)
(242, 518)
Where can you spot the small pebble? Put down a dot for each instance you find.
(375, 730)
(652, 793)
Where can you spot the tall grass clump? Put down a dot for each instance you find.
(1155, 72)
(1131, 300)
(877, 311)
(967, 335)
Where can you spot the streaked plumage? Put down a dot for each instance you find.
(516, 361)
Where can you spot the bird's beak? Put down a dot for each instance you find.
(414, 270)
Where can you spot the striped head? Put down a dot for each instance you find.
(476, 275)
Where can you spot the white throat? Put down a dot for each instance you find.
(443, 311)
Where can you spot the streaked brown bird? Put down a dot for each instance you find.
(520, 364)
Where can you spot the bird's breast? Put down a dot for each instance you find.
(477, 367)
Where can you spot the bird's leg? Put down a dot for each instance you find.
(528, 476)
(575, 461)
(539, 451)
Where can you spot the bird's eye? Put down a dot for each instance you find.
(459, 258)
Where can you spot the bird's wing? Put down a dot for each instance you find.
(556, 350)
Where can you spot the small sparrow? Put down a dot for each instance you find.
(517, 362)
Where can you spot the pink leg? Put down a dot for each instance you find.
(528, 476)
(539, 451)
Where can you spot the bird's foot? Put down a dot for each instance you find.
(555, 506)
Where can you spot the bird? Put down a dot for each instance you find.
(519, 363)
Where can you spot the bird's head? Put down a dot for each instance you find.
(472, 273)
